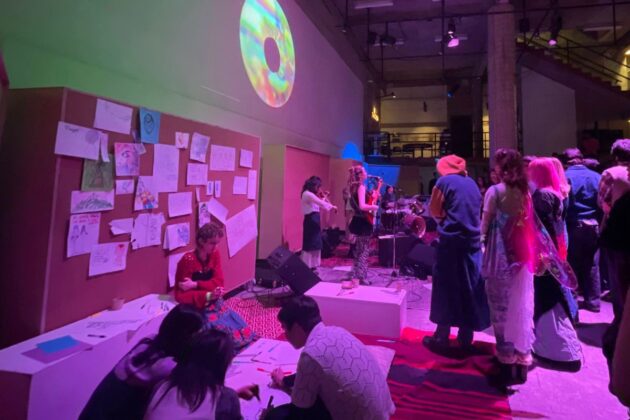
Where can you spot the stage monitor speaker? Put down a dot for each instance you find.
(292, 270)
(266, 276)
(419, 261)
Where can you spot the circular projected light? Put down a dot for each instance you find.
(267, 50)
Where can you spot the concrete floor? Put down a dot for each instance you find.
(548, 394)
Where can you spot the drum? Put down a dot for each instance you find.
(416, 225)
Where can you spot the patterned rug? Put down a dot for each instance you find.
(423, 384)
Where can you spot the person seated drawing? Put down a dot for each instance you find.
(196, 389)
(199, 282)
(329, 383)
(124, 393)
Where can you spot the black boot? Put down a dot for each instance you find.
(521, 374)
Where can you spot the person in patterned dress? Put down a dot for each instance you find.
(199, 282)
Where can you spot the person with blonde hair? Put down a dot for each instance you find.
(555, 309)
(361, 224)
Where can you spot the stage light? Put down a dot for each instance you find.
(556, 25)
(453, 41)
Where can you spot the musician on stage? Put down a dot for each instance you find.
(362, 224)
(313, 199)
(388, 201)
(458, 297)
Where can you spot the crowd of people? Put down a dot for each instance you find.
(549, 230)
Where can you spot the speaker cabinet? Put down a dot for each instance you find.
(292, 270)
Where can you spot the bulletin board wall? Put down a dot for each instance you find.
(67, 294)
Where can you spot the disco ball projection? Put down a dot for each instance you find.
(267, 50)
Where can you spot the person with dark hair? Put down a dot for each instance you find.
(458, 297)
(199, 282)
(583, 226)
(313, 199)
(592, 164)
(508, 234)
(494, 177)
(432, 181)
(124, 393)
(328, 383)
(616, 339)
(196, 389)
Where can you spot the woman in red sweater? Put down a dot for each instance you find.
(199, 281)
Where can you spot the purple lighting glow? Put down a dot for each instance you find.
(552, 42)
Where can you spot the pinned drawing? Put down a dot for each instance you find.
(127, 159)
(97, 175)
(147, 229)
(77, 141)
(182, 140)
(146, 194)
(124, 186)
(83, 233)
(176, 236)
(90, 201)
(107, 258)
(149, 126)
(199, 147)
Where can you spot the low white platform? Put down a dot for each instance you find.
(59, 389)
(375, 311)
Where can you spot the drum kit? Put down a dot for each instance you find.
(405, 214)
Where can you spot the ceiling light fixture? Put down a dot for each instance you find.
(556, 25)
(370, 4)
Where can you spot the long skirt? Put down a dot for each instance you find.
(220, 317)
(458, 297)
(311, 232)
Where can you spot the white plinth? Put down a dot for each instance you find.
(376, 311)
(36, 390)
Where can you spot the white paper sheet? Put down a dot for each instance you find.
(179, 204)
(217, 189)
(121, 226)
(176, 236)
(247, 159)
(127, 159)
(182, 140)
(173, 260)
(165, 167)
(203, 215)
(77, 141)
(199, 147)
(217, 209)
(140, 148)
(222, 158)
(83, 233)
(252, 184)
(124, 186)
(197, 174)
(147, 230)
(146, 194)
(240, 185)
(241, 229)
(197, 194)
(89, 201)
(210, 188)
(104, 145)
(112, 117)
(107, 258)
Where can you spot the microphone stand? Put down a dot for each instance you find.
(395, 232)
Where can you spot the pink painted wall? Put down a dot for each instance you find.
(299, 166)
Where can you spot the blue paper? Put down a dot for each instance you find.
(149, 126)
(58, 344)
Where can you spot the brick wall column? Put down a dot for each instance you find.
(502, 77)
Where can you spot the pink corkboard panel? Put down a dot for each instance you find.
(299, 166)
(71, 294)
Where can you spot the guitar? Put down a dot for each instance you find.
(372, 198)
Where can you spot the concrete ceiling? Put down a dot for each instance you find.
(417, 58)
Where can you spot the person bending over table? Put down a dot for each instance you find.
(327, 385)
(196, 389)
(199, 282)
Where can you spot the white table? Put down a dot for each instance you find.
(376, 311)
(59, 389)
